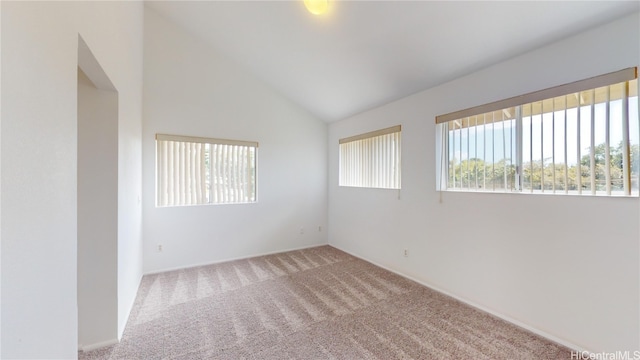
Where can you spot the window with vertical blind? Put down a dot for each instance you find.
(371, 160)
(580, 138)
(196, 171)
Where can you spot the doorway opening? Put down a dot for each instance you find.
(97, 204)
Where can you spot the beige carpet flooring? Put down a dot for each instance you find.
(318, 303)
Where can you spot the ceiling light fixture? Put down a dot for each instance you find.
(317, 7)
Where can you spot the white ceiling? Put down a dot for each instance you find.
(367, 53)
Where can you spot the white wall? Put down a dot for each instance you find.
(0, 184)
(189, 89)
(564, 266)
(39, 165)
(97, 214)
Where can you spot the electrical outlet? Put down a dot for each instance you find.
(301, 230)
(319, 228)
(406, 252)
(159, 248)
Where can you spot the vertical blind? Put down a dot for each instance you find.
(371, 159)
(578, 138)
(194, 170)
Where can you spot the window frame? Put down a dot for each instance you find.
(207, 178)
(551, 94)
(367, 172)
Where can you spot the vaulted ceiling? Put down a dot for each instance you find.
(363, 54)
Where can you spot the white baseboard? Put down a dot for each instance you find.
(233, 259)
(518, 323)
(85, 348)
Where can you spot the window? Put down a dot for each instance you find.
(578, 138)
(371, 160)
(193, 171)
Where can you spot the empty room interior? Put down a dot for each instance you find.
(319, 179)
